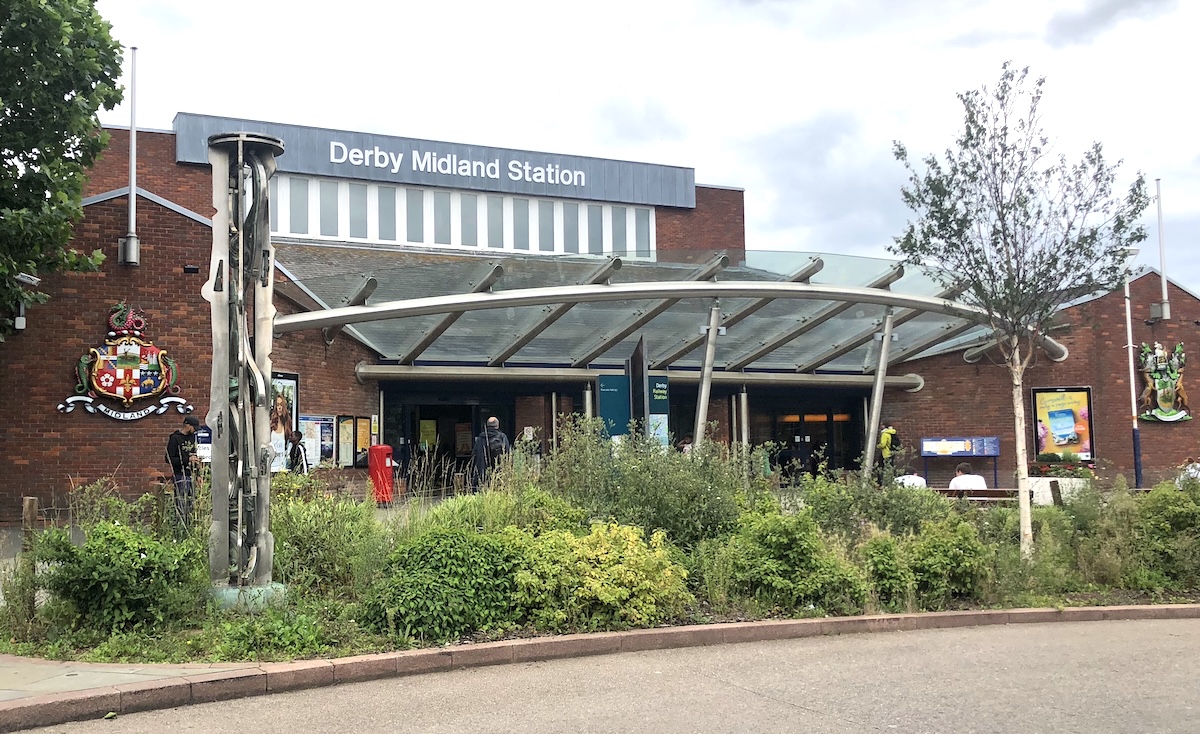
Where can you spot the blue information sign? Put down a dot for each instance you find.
(957, 446)
(613, 403)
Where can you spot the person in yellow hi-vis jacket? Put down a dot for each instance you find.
(887, 445)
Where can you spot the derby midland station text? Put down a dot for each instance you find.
(451, 165)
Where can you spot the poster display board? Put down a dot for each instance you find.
(464, 441)
(318, 432)
(660, 408)
(345, 440)
(362, 442)
(1062, 421)
(285, 416)
(428, 434)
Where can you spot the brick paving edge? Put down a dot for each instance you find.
(94, 703)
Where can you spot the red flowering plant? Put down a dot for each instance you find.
(1065, 465)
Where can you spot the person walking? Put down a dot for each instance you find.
(490, 445)
(297, 454)
(181, 455)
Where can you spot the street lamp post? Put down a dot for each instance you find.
(1132, 252)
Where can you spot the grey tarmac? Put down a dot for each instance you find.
(1086, 677)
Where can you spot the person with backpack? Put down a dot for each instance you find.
(490, 445)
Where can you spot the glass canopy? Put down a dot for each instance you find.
(784, 335)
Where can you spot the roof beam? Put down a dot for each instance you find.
(864, 336)
(366, 372)
(553, 313)
(944, 333)
(808, 323)
(520, 297)
(644, 316)
(357, 297)
(809, 269)
(481, 285)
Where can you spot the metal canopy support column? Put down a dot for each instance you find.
(744, 412)
(811, 268)
(482, 285)
(645, 316)
(877, 396)
(896, 272)
(710, 355)
(856, 341)
(553, 313)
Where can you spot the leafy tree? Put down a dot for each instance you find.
(58, 66)
(1029, 230)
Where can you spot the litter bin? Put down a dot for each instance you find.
(379, 466)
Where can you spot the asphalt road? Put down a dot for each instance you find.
(1137, 676)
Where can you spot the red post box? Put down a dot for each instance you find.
(379, 466)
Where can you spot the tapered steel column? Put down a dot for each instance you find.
(877, 395)
(240, 288)
(710, 355)
(745, 416)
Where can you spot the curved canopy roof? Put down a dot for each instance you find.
(831, 334)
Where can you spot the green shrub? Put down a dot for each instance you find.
(640, 482)
(326, 545)
(947, 560)
(780, 562)
(276, 633)
(100, 502)
(848, 507)
(492, 510)
(287, 486)
(1168, 532)
(891, 579)
(122, 578)
(609, 579)
(444, 584)
(839, 508)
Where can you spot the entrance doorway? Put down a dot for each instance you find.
(812, 428)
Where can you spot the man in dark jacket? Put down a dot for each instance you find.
(489, 447)
(181, 455)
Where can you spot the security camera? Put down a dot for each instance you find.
(30, 280)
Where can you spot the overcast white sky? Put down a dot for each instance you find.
(796, 101)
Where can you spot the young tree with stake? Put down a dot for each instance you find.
(1027, 230)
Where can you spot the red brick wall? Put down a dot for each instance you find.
(327, 382)
(692, 235)
(960, 399)
(46, 451)
(189, 186)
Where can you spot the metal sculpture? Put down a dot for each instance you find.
(240, 289)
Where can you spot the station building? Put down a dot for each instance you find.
(397, 219)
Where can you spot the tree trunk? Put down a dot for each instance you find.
(1022, 456)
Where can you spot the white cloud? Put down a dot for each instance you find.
(738, 89)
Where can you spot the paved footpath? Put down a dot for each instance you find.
(1093, 677)
(28, 677)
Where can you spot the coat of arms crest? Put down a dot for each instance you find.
(127, 367)
(1163, 398)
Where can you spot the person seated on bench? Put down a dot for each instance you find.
(910, 478)
(965, 480)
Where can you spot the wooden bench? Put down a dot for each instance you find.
(979, 495)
